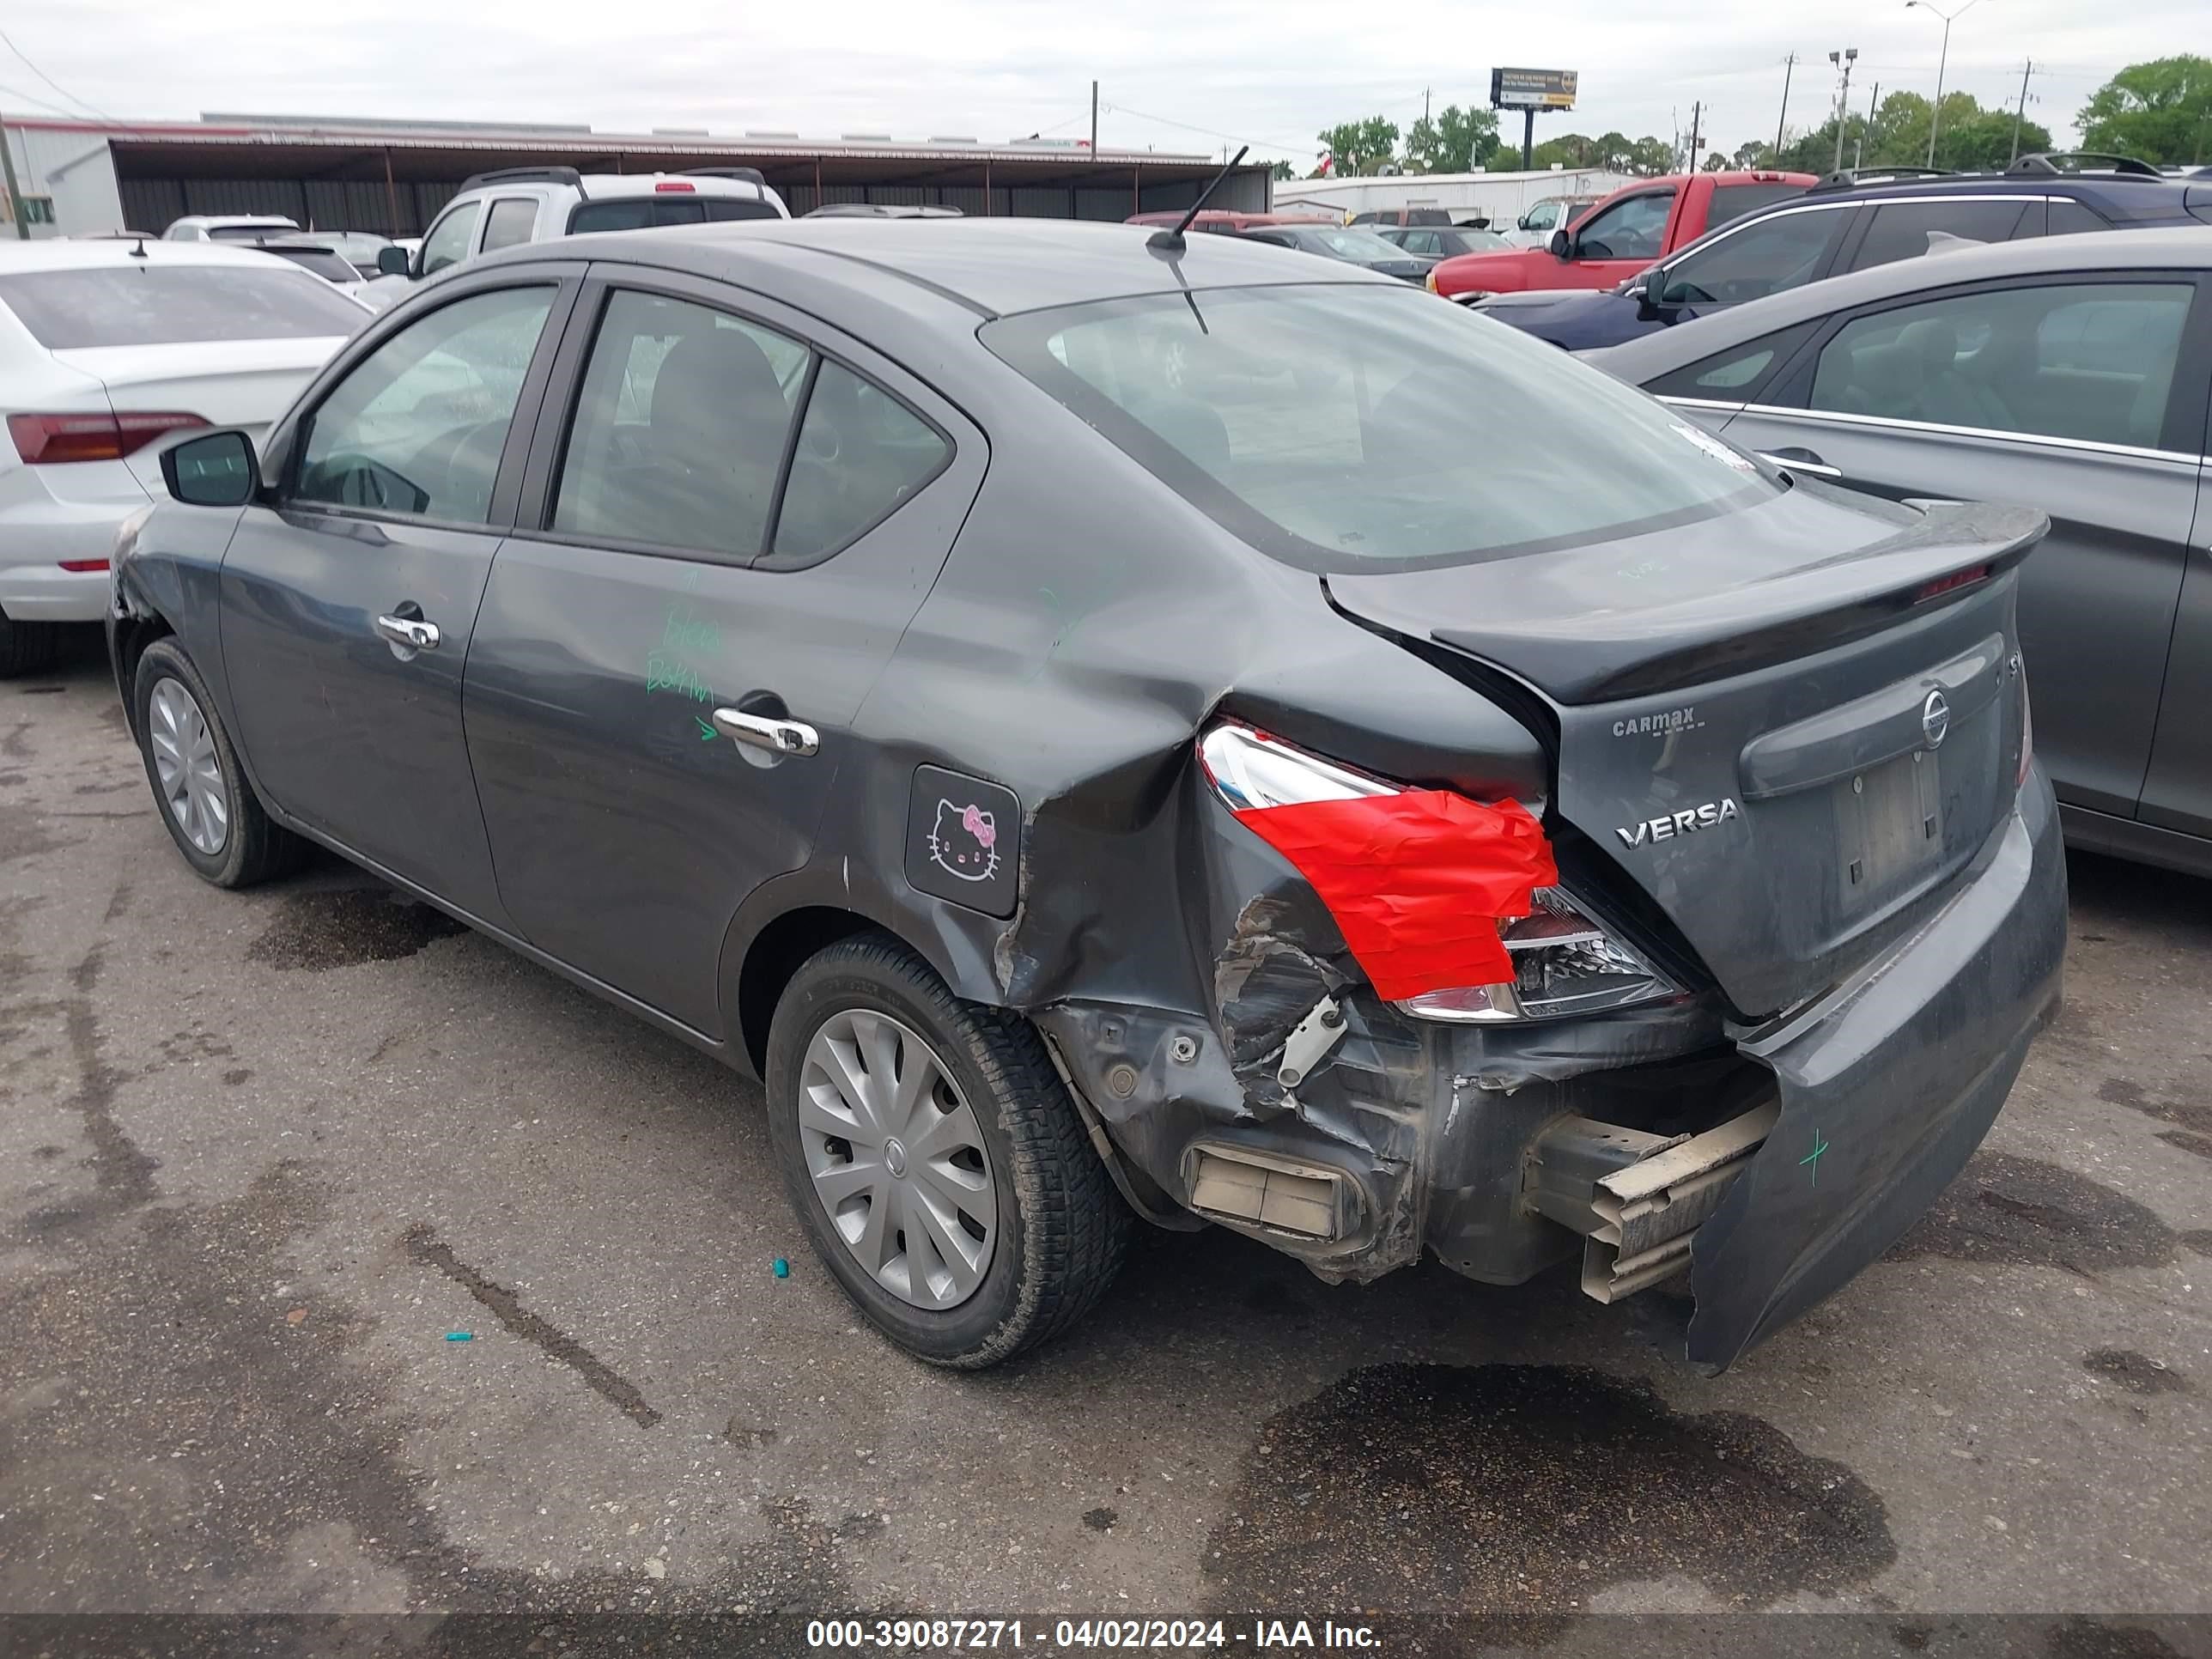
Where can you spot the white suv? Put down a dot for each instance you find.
(495, 210)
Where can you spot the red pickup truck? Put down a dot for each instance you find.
(1613, 240)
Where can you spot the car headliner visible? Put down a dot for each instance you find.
(1639, 360)
(992, 267)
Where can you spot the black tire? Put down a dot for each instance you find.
(256, 848)
(27, 647)
(1068, 1226)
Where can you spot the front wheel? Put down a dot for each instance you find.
(935, 1159)
(207, 805)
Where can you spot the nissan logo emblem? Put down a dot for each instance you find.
(1935, 719)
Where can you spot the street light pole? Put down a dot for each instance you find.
(1943, 60)
(1844, 59)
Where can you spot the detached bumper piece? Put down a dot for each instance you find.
(1636, 1198)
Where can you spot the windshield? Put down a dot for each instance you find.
(174, 305)
(1339, 427)
(1362, 246)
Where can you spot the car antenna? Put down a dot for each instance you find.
(139, 252)
(1171, 241)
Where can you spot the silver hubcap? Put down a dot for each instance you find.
(184, 762)
(898, 1159)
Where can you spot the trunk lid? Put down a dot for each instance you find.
(1759, 724)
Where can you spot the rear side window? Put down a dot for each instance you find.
(680, 428)
(510, 222)
(861, 454)
(2070, 218)
(646, 212)
(417, 427)
(1734, 201)
(2087, 360)
(1905, 230)
(158, 304)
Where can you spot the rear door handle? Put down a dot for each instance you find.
(759, 731)
(1801, 460)
(414, 635)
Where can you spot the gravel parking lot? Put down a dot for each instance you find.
(264, 1157)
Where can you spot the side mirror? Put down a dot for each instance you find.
(392, 261)
(1562, 247)
(216, 469)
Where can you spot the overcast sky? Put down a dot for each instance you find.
(1271, 74)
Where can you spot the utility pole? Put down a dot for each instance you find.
(1782, 121)
(1846, 58)
(14, 200)
(1943, 60)
(1697, 117)
(1858, 154)
(1425, 106)
(1094, 120)
(2020, 115)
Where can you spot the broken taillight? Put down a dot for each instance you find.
(1418, 880)
(1564, 964)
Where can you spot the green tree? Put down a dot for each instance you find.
(1457, 141)
(2161, 111)
(1283, 170)
(1752, 157)
(1971, 137)
(1361, 146)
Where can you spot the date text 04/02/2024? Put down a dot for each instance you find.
(926, 1635)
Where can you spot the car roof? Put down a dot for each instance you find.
(2179, 247)
(992, 267)
(74, 255)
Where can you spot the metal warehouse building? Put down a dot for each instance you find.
(392, 176)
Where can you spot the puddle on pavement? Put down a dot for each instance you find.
(1472, 1491)
(321, 929)
(2025, 1212)
(2194, 1116)
(2199, 1239)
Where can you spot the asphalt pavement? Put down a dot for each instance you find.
(350, 1265)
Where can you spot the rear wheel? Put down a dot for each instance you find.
(27, 647)
(942, 1173)
(206, 803)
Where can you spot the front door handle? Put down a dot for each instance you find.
(408, 631)
(759, 731)
(1801, 460)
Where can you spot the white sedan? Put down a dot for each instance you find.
(107, 348)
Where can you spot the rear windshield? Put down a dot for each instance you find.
(155, 304)
(1341, 427)
(643, 212)
(247, 233)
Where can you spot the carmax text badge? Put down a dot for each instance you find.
(1711, 813)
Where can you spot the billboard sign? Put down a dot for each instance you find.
(1532, 88)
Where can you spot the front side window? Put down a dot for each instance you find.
(680, 428)
(2087, 360)
(1632, 229)
(418, 426)
(1905, 230)
(1783, 252)
(1542, 216)
(861, 454)
(1331, 427)
(510, 223)
(447, 243)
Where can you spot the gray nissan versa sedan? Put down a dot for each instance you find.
(1105, 727)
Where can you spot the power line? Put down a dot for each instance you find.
(20, 97)
(55, 84)
(1234, 139)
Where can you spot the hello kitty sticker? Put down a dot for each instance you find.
(962, 837)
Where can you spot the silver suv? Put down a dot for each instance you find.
(494, 211)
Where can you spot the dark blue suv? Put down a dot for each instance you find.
(1851, 221)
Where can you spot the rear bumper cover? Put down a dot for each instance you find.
(1887, 1085)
